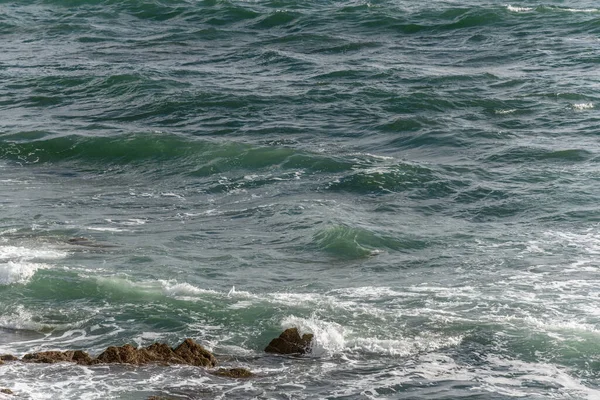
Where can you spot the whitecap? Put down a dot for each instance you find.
(518, 9)
(18, 264)
(503, 112)
(18, 272)
(174, 289)
(329, 337)
(333, 338)
(583, 106)
(105, 229)
(581, 10)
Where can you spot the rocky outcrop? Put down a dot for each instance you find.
(234, 373)
(6, 391)
(50, 357)
(290, 342)
(8, 357)
(194, 354)
(189, 353)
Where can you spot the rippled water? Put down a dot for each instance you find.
(416, 184)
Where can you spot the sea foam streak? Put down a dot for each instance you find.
(518, 9)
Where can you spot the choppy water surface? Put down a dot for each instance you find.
(416, 184)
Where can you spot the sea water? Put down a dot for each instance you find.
(415, 183)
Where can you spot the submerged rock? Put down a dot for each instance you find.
(290, 342)
(50, 357)
(82, 241)
(159, 398)
(234, 373)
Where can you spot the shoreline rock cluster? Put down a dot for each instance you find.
(187, 353)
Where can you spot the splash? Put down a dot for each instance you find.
(18, 264)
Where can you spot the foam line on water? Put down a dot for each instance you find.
(518, 9)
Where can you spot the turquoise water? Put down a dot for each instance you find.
(415, 184)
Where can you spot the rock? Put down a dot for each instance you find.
(6, 391)
(234, 373)
(194, 354)
(290, 342)
(50, 357)
(188, 352)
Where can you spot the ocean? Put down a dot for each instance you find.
(417, 184)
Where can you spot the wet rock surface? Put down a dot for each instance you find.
(50, 357)
(188, 353)
(234, 373)
(290, 342)
(6, 391)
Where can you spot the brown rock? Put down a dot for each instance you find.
(234, 373)
(50, 357)
(6, 391)
(8, 357)
(126, 354)
(194, 354)
(290, 342)
(188, 352)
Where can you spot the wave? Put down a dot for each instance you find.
(195, 157)
(382, 180)
(541, 154)
(351, 243)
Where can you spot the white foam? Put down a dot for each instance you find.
(105, 229)
(583, 106)
(332, 338)
(128, 222)
(513, 377)
(170, 194)
(18, 264)
(518, 9)
(20, 319)
(173, 289)
(582, 10)
(502, 112)
(329, 337)
(18, 272)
